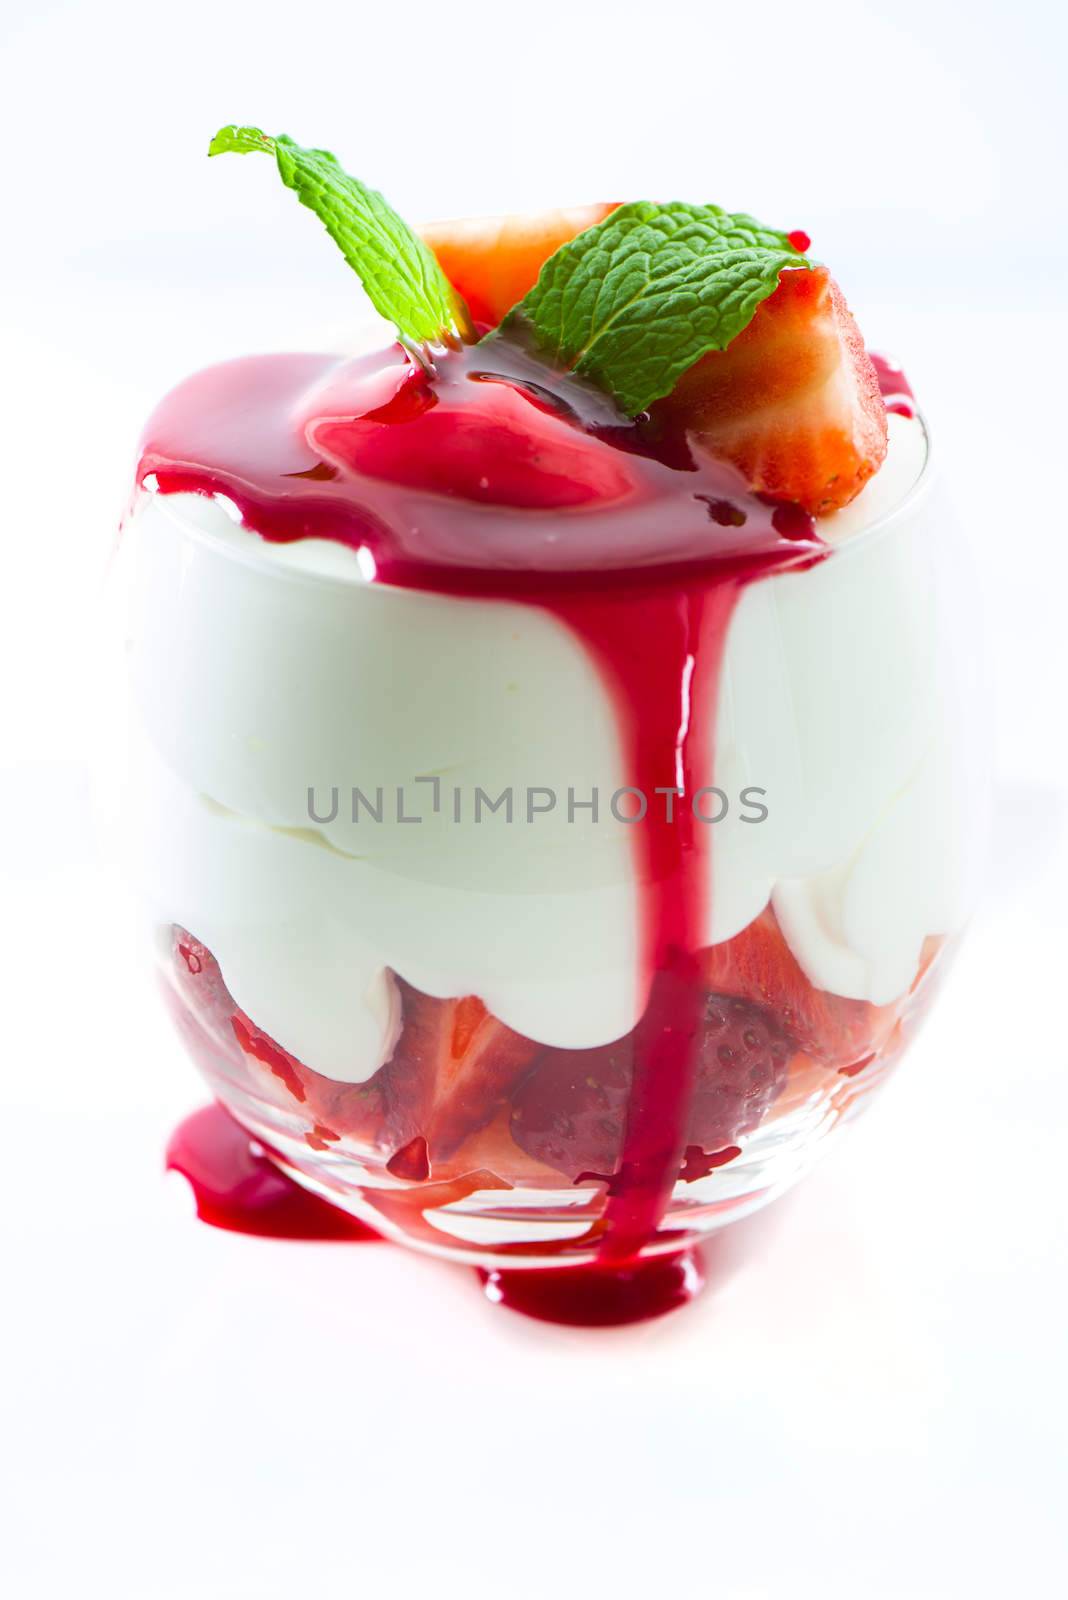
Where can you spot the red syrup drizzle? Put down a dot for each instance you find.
(494, 477)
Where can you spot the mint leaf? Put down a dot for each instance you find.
(635, 300)
(233, 140)
(399, 272)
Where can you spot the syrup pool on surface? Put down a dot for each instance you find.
(499, 481)
(237, 1188)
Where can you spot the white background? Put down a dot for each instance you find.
(875, 1405)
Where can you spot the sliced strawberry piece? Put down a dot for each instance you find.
(758, 965)
(793, 401)
(744, 1058)
(571, 1111)
(493, 261)
(453, 1068)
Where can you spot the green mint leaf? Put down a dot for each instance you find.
(399, 273)
(233, 140)
(634, 301)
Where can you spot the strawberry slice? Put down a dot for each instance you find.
(758, 965)
(493, 261)
(453, 1068)
(744, 1057)
(570, 1112)
(794, 400)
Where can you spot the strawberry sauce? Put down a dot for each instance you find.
(242, 1191)
(492, 477)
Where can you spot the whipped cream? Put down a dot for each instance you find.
(262, 671)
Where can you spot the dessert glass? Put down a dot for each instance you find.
(325, 954)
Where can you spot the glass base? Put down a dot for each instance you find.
(520, 1163)
(479, 1220)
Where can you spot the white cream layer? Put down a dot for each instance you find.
(261, 671)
